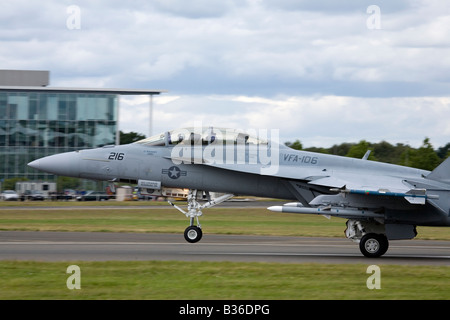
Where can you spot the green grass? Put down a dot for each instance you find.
(253, 221)
(219, 221)
(205, 280)
(219, 280)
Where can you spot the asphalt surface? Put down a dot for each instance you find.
(99, 246)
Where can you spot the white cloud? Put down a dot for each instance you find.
(315, 120)
(237, 44)
(311, 68)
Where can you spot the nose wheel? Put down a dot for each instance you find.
(193, 234)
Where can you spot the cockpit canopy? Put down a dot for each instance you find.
(204, 136)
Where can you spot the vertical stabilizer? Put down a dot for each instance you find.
(442, 172)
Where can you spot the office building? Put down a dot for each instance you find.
(37, 120)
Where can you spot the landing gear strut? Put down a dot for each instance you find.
(194, 233)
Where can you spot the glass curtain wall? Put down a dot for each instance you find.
(34, 125)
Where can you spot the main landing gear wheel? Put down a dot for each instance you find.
(193, 234)
(373, 245)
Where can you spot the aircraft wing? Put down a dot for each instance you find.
(372, 185)
(364, 183)
(355, 197)
(351, 185)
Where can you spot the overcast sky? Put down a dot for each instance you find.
(322, 71)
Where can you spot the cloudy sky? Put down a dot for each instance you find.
(322, 71)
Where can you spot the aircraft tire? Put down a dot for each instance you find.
(373, 245)
(193, 234)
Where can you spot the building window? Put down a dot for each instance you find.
(34, 125)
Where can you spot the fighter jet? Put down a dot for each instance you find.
(380, 201)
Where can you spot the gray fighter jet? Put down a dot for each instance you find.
(381, 202)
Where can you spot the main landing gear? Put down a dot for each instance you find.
(194, 233)
(373, 242)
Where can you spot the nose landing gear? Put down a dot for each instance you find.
(194, 233)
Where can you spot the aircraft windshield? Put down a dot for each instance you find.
(203, 136)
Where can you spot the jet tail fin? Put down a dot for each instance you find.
(442, 172)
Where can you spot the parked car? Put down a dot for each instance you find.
(9, 195)
(33, 195)
(95, 196)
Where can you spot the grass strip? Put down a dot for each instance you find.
(219, 280)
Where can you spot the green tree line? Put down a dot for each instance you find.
(425, 157)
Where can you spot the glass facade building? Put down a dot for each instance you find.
(38, 121)
(37, 124)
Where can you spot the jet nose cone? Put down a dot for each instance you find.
(34, 164)
(64, 164)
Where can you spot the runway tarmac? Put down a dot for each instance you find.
(100, 246)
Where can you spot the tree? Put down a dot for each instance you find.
(318, 150)
(67, 183)
(444, 152)
(359, 150)
(341, 149)
(10, 184)
(297, 145)
(385, 152)
(130, 137)
(425, 157)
